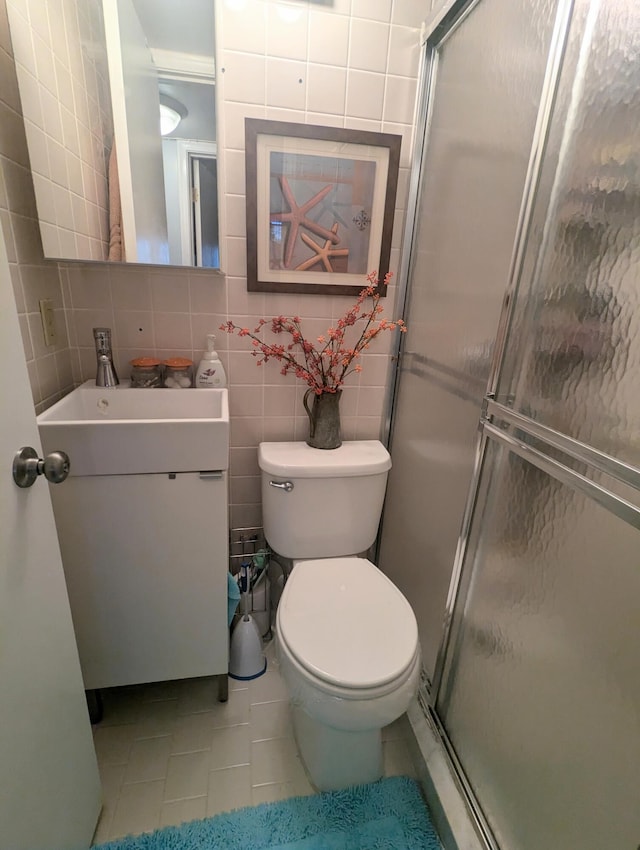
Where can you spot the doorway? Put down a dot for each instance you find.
(191, 187)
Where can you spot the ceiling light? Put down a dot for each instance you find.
(169, 119)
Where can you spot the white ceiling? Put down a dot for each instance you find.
(186, 26)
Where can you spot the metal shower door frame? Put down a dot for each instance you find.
(436, 30)
(499, 422)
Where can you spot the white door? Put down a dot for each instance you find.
(49, 783)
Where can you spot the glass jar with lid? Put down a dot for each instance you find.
(178, 373)
(146, 372)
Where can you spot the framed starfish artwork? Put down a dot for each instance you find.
(320, 205)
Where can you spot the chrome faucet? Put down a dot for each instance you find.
(106, 375)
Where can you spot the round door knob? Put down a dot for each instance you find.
(27, 466)
(56, 467)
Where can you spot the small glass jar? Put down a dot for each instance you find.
(146, 372)
(178, 373)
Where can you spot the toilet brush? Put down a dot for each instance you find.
(246, 659)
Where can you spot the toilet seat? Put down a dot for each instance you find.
(347, 627)
(345, 692)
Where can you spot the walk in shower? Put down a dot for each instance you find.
(513, 505)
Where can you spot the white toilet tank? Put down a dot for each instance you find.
(322, 503)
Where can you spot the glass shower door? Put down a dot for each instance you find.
(540, 696)
(541, 700)
(484, 100)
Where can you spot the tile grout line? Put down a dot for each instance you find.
(236, 787)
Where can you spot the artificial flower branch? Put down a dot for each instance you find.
(323, 368)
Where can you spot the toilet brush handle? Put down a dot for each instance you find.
(244, 590)
(245, 606)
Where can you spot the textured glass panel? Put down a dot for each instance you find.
(484, 114)
(542, 699)
(573, 357)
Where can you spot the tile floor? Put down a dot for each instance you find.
(170, 752)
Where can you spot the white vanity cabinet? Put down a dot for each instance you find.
(146, 560)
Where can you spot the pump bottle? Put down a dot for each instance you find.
(210, 370)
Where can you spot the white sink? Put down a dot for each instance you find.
(125, 431)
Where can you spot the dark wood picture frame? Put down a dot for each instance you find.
(371, 174)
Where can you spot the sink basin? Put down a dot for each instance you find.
(126, 431)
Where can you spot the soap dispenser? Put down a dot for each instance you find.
(210, 370)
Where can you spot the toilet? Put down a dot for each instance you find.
(347, 639)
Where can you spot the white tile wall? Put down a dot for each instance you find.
(369, 45)
(49, 367)
(327, 91)
(328, 39)
(62, 76)
(344, 56)
(365, 95)
(358, 63)
(288, 41)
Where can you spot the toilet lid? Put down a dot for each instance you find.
(347, 623)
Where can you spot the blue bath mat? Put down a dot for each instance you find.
(388, 814)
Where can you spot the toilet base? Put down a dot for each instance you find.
(335, 758)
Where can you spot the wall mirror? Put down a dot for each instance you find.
(118, 98)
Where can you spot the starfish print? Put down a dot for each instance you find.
(330, 208)
(322, 255)
(297, 217)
